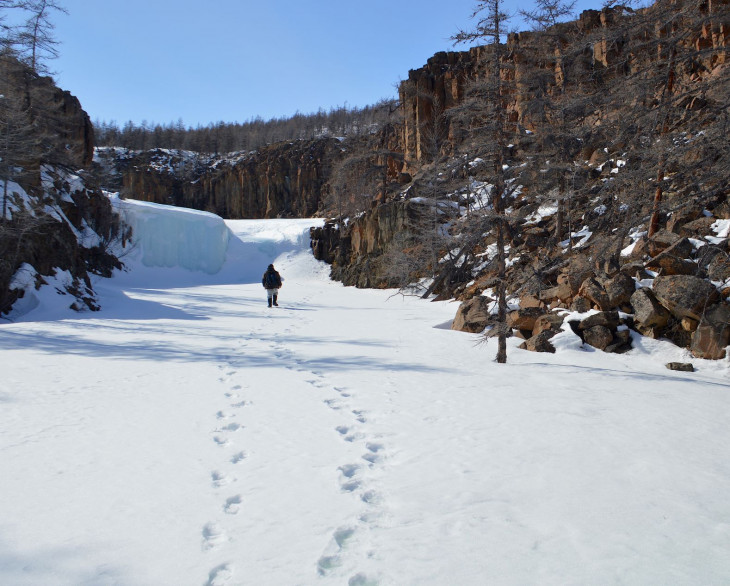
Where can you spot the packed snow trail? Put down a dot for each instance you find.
(187, 435)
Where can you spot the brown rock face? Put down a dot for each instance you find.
(472, 316)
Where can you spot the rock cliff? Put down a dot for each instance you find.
(57, 226)
(281, 180)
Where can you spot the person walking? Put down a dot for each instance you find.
(272, 283)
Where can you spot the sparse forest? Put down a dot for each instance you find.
(226, 137)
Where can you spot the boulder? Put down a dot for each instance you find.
(650, 318)
(540, 342)
(595, 293)
(598, 336)
(580, 304)
(472, 316)
(685, 295)
(707, 254)
(635, 269)
(619, 289)
(698, 227)
(609, 319)
(668, 264)
(713, 333)
(548, 321)
(672, 261)
(680, 366)
(662, 240)
(719, 268)
(681, 217)
(530, 300)
(562, 292)
(621, 342)
(524, 318)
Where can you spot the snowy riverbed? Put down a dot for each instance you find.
(189, 435)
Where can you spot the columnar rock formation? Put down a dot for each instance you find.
(281, 180)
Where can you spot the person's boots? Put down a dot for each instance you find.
(269, 301)
(275, 303)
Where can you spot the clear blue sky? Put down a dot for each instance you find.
(232, 60)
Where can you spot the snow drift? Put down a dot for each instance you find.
(175, 237)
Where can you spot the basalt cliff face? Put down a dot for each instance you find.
(282, 180)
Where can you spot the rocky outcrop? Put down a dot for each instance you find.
(57, 225)
(56, 114)
(600, 53)
(356, 253)
(281, 180)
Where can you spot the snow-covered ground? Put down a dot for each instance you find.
(189, 435)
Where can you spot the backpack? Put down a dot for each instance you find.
(271, 280)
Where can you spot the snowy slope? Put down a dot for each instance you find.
(189, 435)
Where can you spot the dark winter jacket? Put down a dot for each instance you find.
(271, 279)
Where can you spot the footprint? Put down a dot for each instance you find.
(339, 540)
(359, 416)
(369, 457)
(219, 479)
(240, 404)
(220, 575)
(233, 504)
(370, 497)
(332, 404)
(349, 470)
(342, 392)
(361, 579)
(372, 455)
(326, 563)
(236, 458)
(213, 536)
(221, 440)
(224, 415)
(231, 427)
(342, 535)
(342, 429)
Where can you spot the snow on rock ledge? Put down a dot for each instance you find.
(168, 236)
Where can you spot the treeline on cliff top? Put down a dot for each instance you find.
(225, 137)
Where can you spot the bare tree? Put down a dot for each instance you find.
(35, 38)
(491, 132)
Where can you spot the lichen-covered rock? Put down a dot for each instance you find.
(712, 336)
(598, 336)
(719, 268)
(685, 295)
(619, 289)
(650, 317)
